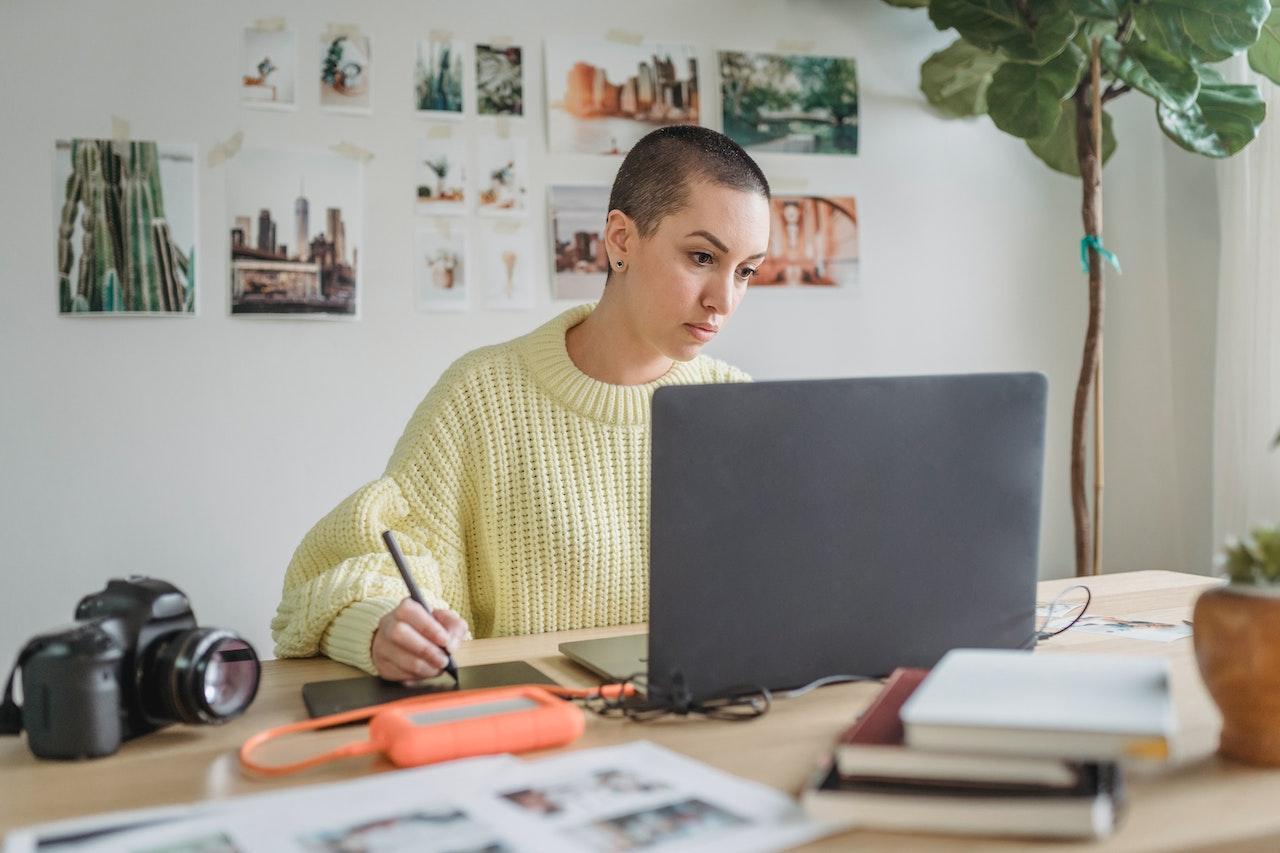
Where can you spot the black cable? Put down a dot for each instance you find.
(747, 702)
(1041, 634)
(736, 704)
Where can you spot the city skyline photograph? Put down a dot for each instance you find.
(295, 232)
(577, 216)
(602, 96)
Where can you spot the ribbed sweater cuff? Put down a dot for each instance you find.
(349, 638)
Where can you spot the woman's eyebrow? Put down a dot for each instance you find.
(710, 238)
(713, 240)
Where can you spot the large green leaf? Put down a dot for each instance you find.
(1169, 79)
(1023, 99)
(1058, 149)
(998, 25)
(956, 78)
(1224, 118)
(1102, 10)
(1201, 30)
(1264, 56)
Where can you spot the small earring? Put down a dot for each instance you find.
(619, 264)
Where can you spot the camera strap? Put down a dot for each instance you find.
(381, 738)
(10, 710)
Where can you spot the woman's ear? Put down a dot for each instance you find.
(619, 239)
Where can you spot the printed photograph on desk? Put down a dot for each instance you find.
(579, 796)
(269, 66)
(442, 828)
(441, 176)
(440, 267)
(502, 166)
(125, 227)
(218, 842)
(346, 71)
(1134, 629)
(577, 215)
(505, 264)
(295, 223)
(499, 80)
(813, 242)
(437, 79)
(790, 104)
(602, 96)
(687, 821)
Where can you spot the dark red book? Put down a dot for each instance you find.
(880, 722)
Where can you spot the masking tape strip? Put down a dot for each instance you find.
(120, 129)
(440, 35)
(501, 42)
(624, 36)
(795, 45)
(224, 151)
(269, 25)
(502, 126)
(444, 226)
(439, 131)
(506, 227)
(334, 31)
(355, 152)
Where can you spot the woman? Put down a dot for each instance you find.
(519, 491)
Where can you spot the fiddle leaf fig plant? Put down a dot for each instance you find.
(1044, 70)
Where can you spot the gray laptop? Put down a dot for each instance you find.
(835, 527)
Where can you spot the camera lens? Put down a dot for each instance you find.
(205, 675)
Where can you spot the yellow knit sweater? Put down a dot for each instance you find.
(519, 494)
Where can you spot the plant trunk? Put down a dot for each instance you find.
(1088, 101)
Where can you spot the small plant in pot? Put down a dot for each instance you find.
(1237, 641)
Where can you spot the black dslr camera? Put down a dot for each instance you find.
(133, 662)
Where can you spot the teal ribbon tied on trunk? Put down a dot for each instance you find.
(1092, 240)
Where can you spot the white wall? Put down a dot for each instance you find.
(201, 449)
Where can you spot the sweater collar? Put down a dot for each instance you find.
(548, 358)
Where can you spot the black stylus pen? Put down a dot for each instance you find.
(415, 593)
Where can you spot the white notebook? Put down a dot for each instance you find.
(1094, 707)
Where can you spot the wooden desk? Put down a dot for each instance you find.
(1201, 803)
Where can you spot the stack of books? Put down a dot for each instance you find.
(999, 743)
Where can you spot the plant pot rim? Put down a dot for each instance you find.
(1253, 590)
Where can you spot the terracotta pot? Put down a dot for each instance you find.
(1237, 641)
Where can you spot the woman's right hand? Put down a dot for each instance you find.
(412, 643)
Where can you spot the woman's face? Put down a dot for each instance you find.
(683, 282)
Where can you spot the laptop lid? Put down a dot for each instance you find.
(845, 526)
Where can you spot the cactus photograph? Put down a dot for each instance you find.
(437, 79)
(126, 226)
